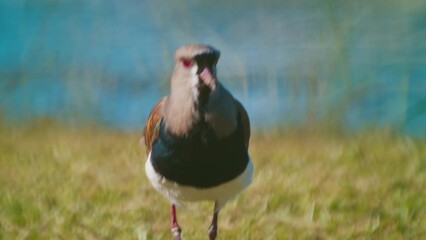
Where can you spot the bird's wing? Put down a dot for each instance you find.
(150, 132)
(244, 120)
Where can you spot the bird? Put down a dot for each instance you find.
(197, 137)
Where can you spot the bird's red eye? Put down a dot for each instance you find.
(186, 63)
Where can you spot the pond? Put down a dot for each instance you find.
(344, 64)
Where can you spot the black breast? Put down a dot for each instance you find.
(200, 159)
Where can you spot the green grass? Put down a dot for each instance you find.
(85, 183)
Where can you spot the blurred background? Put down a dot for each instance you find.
(336, 65)
(336, 92)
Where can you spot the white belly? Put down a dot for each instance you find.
(179, 194)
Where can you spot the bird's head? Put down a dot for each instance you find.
(195, 72)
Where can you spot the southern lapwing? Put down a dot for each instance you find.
(197, 137)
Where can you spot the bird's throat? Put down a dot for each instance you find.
(203, 97)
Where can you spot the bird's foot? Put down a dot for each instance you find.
(176, 231)
(212, 232)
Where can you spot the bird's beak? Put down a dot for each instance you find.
(207, 78)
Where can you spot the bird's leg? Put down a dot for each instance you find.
(175, 228)
(213, 225)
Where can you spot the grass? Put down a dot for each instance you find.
(88, 183)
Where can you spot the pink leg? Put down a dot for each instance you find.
(176, 230)
(213, 225)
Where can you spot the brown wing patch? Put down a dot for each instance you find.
(245, 121)
(150, 132)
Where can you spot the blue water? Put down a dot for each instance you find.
(354, 65)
